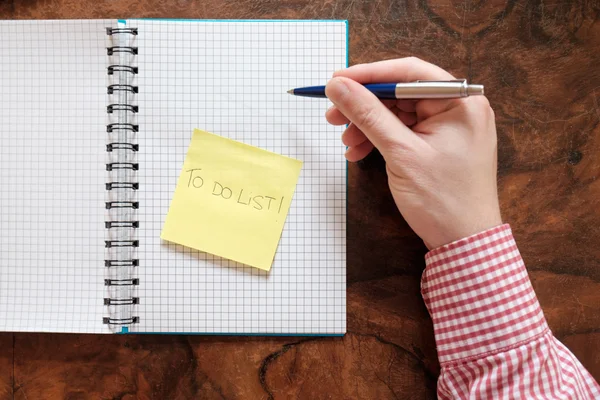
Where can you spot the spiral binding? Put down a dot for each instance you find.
(121, 49)
(111, 89)
(122, 282)
(122, 185)
(122, 204)
(121, 107)
(121, 244)
(122, 126)
(111, 31)
(121, 224)
(121, 321)
(121, 146)
(121, 263)
(122, 68)
(122, 165)
(121, 302)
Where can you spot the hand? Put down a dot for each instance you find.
(441, 155)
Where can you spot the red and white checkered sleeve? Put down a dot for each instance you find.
(491, 335)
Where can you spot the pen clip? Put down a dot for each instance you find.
(451, 80)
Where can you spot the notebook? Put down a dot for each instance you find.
(96, 117)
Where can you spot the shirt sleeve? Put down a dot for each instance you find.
(491, 335)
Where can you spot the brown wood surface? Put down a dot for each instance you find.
(540, 62)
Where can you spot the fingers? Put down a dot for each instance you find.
(408, 119)
(468, 113)
(335, 117)
(353, 136)
(400, 70)
(359, 152)
(370, 115)
(358, 144)
(406, 105)
(428, 108)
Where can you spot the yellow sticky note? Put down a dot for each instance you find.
(231, 200)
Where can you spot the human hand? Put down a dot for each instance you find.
(441, 154)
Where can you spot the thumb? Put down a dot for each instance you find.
(369, 114)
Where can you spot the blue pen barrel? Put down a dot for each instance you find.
(383, 90)
(310, 91)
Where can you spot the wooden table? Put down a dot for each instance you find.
(540, 62)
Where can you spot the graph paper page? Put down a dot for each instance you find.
(52, 149)
(231, 78)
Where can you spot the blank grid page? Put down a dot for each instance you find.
(52, 152)
(231, 78)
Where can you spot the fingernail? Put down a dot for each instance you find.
(336, 89)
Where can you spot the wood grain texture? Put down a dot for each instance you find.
(539, 61)
(6, 365)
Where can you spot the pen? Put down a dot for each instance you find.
(412, 90)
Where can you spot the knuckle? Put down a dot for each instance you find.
(368, 117)
(485, 107)
(479, 105)
(483, 102)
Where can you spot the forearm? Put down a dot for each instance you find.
(491, 335)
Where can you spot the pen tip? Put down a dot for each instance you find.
(291, 91)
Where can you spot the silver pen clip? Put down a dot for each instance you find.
(465, 88)
(452, 80)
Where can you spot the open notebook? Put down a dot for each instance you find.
(95, 124)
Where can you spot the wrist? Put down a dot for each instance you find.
(454, 230)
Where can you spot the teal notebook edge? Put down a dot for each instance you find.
(125, 330)
(124, 21)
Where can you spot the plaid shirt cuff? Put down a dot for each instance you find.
(479, 296)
